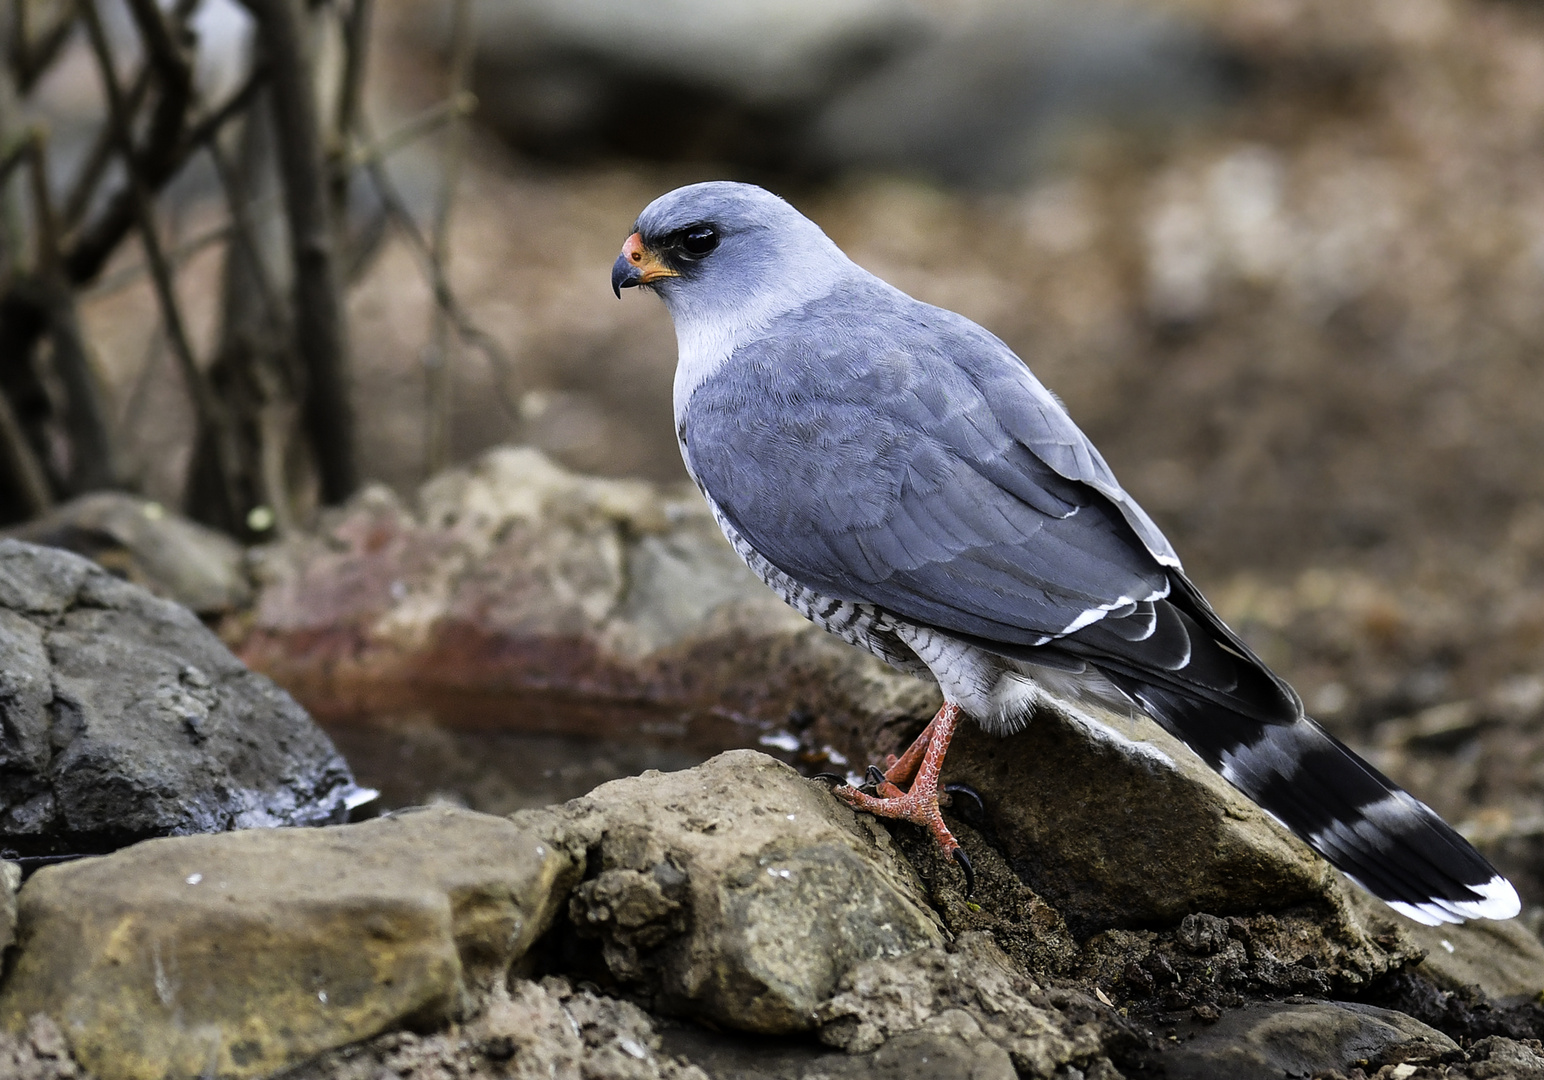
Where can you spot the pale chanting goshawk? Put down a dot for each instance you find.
(898, 475)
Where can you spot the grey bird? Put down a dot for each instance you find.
(896, 474)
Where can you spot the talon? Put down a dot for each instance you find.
(967, 791)
(959, 856)
(874, 776)
(831, 778)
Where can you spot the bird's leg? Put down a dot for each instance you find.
(900, 770)
(919, 805)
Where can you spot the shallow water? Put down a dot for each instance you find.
(418, 757)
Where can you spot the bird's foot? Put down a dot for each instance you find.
(919, 805)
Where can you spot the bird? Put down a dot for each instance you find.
(900, 477)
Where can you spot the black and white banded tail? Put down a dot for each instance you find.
(1220, 700)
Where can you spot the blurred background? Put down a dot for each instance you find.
(1283, 260)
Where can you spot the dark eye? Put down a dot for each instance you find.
(699, 240)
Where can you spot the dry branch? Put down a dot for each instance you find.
(316, 306)
(210, 410)
(439, 358)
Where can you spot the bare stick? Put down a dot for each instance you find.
(466, 327)
(149, 168)
(319, 331)
(95, 462)
(202, 135)
(78, 201)
(211, 411)
(28, 61)
(438, 360)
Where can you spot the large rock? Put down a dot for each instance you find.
(736, 892)
(1125, 826)
(147, 544)
(1503, 959)
(514, 584)
(239, 954)
(10, 881)
(124, 717)
(1269, 1040)
(795, 85)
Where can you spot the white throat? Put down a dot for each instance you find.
(706, 339)
(708, 331)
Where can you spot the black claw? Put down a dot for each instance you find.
(970, 793)
(959, 856)
(874, 776)
(831, 778)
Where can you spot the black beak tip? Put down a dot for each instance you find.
(624, 275)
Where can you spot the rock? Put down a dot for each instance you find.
(533, 1030)
(565, 80)
(1495, 1058)
(1502, 959)
(514, 577)
(1268, 1040)
(946, 1048)
(1129, 829)
(124, 717)
(735, 892)
(794, 86)
(149, 545)
(37, 1053)
(10, 881)
(514, 582)
(1317, 949)
(242, 953)
(972, 989)
(1046, 67)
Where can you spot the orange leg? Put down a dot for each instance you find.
(901, 770)
(919, 805)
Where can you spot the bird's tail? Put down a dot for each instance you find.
(1385, 839)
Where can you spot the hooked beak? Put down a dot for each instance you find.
(637, 265)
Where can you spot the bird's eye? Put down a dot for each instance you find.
(699, 240)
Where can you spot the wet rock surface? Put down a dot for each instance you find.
(124, 718)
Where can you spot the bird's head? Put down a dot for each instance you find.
(723, 246)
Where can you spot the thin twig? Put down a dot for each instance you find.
(414, 128)
(29, 61)
(211, 411)
(444, 296)
(149, 167)
(438, 360)
(94, 168)
(356, 44)
(94, 463)
(203, 135)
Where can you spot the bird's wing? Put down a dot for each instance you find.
(901, 456)
(899, 461)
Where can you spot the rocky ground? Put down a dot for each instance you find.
(1304, 327)
(1133, 917)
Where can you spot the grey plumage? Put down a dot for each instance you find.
(899, 476)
